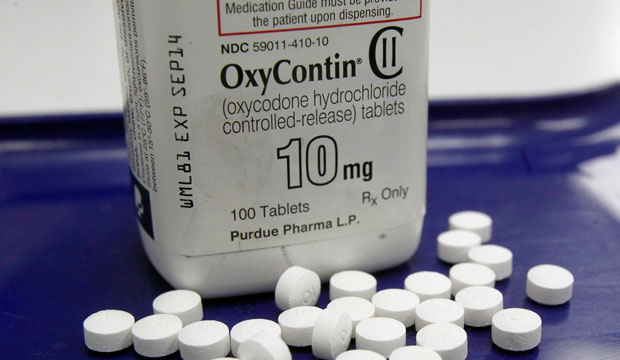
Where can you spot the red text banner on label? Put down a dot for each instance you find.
(265, 16)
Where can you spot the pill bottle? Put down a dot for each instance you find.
(265, 134)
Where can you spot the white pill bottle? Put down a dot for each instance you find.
(265, 134)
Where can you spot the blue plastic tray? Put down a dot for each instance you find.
(69, 243)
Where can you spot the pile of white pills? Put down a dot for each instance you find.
(378, 321)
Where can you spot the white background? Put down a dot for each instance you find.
(60, 56)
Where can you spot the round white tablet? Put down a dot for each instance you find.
(360, 355)
(414, 353)
(549, 284)
(439, 311)
(156, 335)
(297, 325)
(248, 328)
(185, 304)
(297, 286)
(470, 274)
(480, 304)
(206, 339)
(448, 340)
(498, 258)
(397, 304)
(331, 334)
(475, 221)
(357, 308)
(381, 335)
(516, 329)
(453, 245)
(108, 330)
(264, 346)
(429, 285)
(352, 283)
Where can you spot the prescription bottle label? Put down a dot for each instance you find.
(255, 124)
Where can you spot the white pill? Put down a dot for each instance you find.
(225, 358)
(264, 346)
(360, 355)
(498, 258)
(248, 328)
(108, 330)
(439, 311)
(357, 308)
(475, 221)
(397, 304)
(381, 335)
(331, 334)
(206, 339)
(516, 329)
(156, 335)
(414, 353)
(453, 245)
(549, 284)
(470, 274)
(429, 285)
(480, 304)
(352, 283)
(185, 304)
(448, 340)
(297, 325)
(297, 286)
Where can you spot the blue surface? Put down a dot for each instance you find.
(69, 243)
